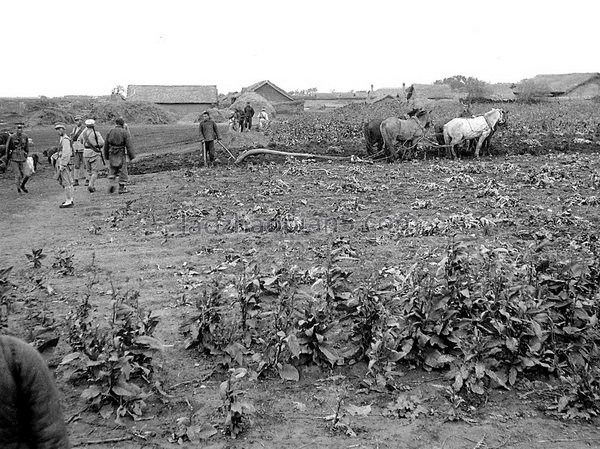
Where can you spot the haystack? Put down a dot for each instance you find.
(257, 101)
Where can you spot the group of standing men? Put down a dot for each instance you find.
(84, 146)
(242, 120)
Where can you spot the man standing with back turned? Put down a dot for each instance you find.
(117, 146)
(77, 149)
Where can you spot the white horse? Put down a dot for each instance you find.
(458, 130)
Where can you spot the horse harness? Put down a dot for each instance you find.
(419, 123)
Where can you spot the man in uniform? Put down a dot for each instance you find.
(63, 165)
(117, 147)
(208, 133)
(93, 143)
(17, 150)
(77, 149)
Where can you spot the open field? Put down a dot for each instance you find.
(319, 286)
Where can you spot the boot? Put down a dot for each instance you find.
(23, 188)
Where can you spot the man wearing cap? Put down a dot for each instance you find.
(117, 147)
(17, 150)
(208, 133)
(63, 163)
(92, 142)
(77, 149)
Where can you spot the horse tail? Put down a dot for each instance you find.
(387, 144)
(367, 134)
(447, 138)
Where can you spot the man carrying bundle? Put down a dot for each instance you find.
(77, 149)
(93, 143)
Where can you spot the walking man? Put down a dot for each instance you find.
(77, 149)
(248, 114)
(63, 165)
(93, 143)
(117, 147)
(208, 133)
(17, 150)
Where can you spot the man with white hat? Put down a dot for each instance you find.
(77, 149)
(63, 163)
(93, 143)
(263, 119)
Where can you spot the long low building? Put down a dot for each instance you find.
(181, 100)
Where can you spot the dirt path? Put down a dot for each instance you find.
(134, 241)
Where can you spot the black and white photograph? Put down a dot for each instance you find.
(318, 224)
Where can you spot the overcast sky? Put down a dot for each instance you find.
(60, 47)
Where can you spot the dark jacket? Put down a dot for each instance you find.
(249, 111)
(209, 130)
(30, 412)
(17, 147)
(118, 138)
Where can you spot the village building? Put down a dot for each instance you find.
(580, 86)
(181, 100)
(499, 92)
(281, 101)
(332, 100)
(269, 91)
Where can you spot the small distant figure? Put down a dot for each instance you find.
(117, 149)
(466, 111)
(208, 134)
(410, 92)
(63, 165)
(77, 150)
(93, 143)
(232, 121)
(17, 151)
(241, 120)
(30, 413)
(263, 119)
(248, 114)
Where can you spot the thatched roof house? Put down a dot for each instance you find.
(269, 91)
(178, 99)
(499, 92)
(395, 92)
(571, 85)
(434, 92)
(421, 92)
